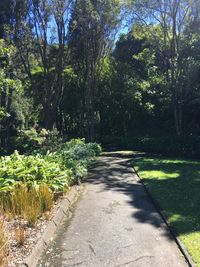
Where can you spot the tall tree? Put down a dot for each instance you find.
(92, 32)
(45, 29)
(171, 16)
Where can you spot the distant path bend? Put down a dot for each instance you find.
(114, 224)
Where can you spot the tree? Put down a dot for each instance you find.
(92, 32)
(15, 107)
(6, 15)
(137, 89)
(40, 29)
(171, 16)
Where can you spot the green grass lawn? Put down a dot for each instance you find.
(175, 186)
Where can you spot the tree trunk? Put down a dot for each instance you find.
(89, 102)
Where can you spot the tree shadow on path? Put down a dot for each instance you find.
(117, 174)
(177, 193)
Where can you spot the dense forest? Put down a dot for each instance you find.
(120, 72)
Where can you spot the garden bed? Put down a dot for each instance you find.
(31, 187)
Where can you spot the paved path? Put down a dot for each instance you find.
(114, 224)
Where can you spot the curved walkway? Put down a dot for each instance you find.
(114, 224)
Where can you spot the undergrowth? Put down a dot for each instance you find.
(30, 183)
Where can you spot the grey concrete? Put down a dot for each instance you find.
(114, 224)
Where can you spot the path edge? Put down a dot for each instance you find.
(62, 213)
(172, 231)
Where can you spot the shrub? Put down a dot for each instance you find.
(76, 155)
(28, 183)
(32, 169)
(29, 140)
(40, 141)
(52, 142)
(187, 146)
(58, 169)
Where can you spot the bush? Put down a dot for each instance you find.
(39, 141)
(28, 140)
(28, 183)
(52, 142)
(58, 169)
(76, 156)
(187, 146)
(31, 169)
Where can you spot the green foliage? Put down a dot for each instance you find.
(29, 139)
(32, 170)
(52, 141)
(76, 156)
(57, 169)
(15, 104)
(29, 183)
(3, 114)
(187, 146)
(132, 83)
(40, 141)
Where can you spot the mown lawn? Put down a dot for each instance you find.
(175, 186)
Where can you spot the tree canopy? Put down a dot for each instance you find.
(100, 68)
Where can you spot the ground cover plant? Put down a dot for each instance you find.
(174, 184)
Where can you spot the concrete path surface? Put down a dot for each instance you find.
(114, 224)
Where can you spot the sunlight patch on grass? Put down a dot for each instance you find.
(175, 217)
(172, 161)
(192, 243)
(154, 174)
(175, 185)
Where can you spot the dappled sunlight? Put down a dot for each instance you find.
(162, 175)
(160, 160)
(116, 174)
(175, 184)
